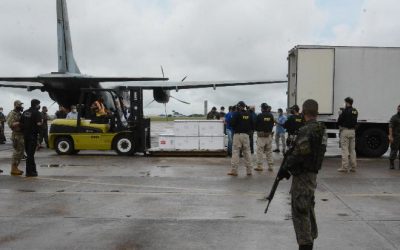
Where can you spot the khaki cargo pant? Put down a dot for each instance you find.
(348, 145)
(264, 146)
(241, 141)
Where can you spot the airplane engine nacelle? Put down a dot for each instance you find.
(160, 95)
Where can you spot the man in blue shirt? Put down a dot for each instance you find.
(280, 131)
(229, 129)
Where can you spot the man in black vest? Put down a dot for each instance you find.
(294, 122)
(264, 126)
(31, 123)
(347, 123)
(242, 124)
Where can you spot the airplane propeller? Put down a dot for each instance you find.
(179, 100)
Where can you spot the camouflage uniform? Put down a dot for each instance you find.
(303, 162)
(2, 120)
(17, 137)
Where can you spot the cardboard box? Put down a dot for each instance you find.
(186, 143)
(211, 128)
(166, 141)
(186, 128)
(212, 143)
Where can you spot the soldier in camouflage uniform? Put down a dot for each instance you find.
(304, 161)
(17, 137)
(394, 137)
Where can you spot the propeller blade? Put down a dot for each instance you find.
(162, 71)
(179, 100)
(165, 109)
(148, 104)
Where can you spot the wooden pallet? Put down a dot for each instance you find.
(196, 153)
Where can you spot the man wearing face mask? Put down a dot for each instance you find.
(347, 123)
(73, 115)
(394, 137)
(17, 137)
(31, 123)
(2, 121)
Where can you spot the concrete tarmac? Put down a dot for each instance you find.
(99, 200)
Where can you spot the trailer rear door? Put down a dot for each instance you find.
(315, 77)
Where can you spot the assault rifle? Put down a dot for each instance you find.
(277, 180)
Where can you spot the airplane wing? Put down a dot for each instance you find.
(198, 84)
(67, 77)
(29, 83)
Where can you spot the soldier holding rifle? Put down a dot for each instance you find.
(303, 161)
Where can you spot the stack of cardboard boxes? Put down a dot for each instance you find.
(194, 135)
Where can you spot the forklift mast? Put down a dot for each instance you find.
(136, 120)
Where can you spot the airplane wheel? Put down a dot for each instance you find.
(124, 145)
(64, 146)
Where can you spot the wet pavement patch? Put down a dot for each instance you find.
(62, 165)
(238, 217)
(26, 190)
(144, 174)
(53, 166)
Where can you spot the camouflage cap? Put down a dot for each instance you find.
(17, 103)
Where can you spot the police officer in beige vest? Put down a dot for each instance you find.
(264, 125)
(242, 124)
(347, 123)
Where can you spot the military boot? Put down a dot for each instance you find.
(391, 164)
(15, 170)
(305, 247)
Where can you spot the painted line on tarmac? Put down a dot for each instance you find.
(206, 191)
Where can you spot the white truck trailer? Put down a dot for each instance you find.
(329, 74)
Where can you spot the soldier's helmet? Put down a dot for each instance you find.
(17, 103)
(241, 104)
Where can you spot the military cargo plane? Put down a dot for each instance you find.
(64, 86)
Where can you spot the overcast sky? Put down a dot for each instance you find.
(201, 39)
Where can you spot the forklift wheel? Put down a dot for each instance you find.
(64, 146)
(124, 145)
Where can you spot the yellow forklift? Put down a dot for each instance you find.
(126, 130)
